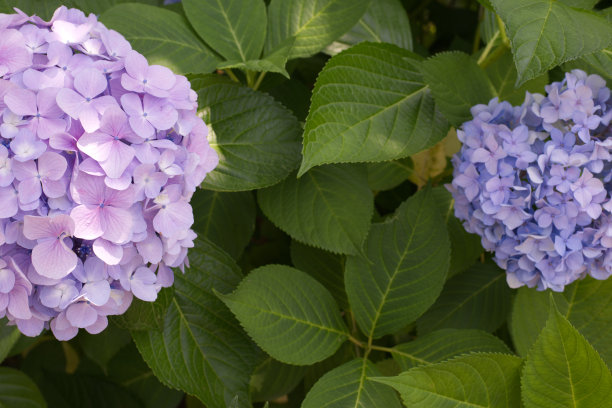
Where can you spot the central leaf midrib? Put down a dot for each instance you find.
(394, 274)
(231, 29)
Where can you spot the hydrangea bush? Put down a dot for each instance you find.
(299, 203)
(100, 153)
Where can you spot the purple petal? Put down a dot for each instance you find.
(52, 165)
(21, 101)
(96, 145)
(107, 251)
(116, 224)
(7, 280)
(96, 292)
(90, 82)
(70, 102)
(81, 314)
(87, 222)
(118, 160)
(53, 259)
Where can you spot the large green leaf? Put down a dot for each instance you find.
(456, 94)
(201, 349)
(313, 23)
(546, 33)
(502, 74)
(349, 386)
(324, 266)
(564, 370)
(330, 207)
(597, 63)
(370, 103)
(587, 304)
(289, 314)
(143, 315)
(384, 21)
(8, 337)
(487, 380)
(235, 29)
(407, 261)
(18, 390)
(162, 36)
(444, 344)
(478, 298)
(227, 219)
(257, 139)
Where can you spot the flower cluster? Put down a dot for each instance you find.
(100, 153)
(533, 181)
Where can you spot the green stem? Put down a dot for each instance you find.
(259, 80)
(231, 74)
(382, 348)
(250, 76)
(502, 30)
(488, 48)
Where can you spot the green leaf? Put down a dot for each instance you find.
(18, 390)
(486, 380)
(384, 21)
(227, 219)
(273, 379)
(325, 267)
(257, 139)
(444, 344)
(99, 6)
(599, 63)
(274, 62)
(201, 348)
(8, 337)
(502, 74)
(128, 370)
(407, 261)
(585, 303)
(465, 247)
(290, 315)
(456, 94)
(564, 370)
(478, 298)
(390, 174)
(313, 24)
(42, 8)
(143, 315)
(584, 4)
(162, 36)
(330, 207)
(349, 386)
(102, 347)
(235, 29)
(546, 33)
(370, 103)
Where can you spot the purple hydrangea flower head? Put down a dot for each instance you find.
(100, 154)
(534, 182)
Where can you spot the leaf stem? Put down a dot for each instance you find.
(488, 48)
(382, 348)
(231, 74)
(356, 341)
(250, 76)
(259, 80)
(502, 30)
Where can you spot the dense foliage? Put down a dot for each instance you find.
(329, 268)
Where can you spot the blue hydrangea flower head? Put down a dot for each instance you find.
(533, 181)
